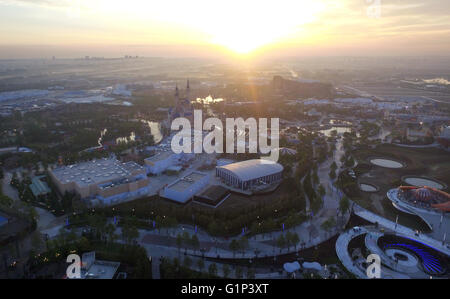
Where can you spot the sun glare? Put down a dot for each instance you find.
(247, 28)
(241, 26)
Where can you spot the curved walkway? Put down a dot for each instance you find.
(343, 254)
(437, 222)
(371, 242)
(390, 269)
(400, 229)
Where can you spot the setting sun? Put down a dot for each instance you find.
(256, 23)
(241, 26)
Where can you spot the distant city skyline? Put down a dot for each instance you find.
(201, 28)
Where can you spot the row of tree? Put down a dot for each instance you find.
(287, 240)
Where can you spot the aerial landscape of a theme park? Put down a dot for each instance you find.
(179, 140)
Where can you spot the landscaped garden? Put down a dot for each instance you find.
(429, 162)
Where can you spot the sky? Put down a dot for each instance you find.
(182, 28)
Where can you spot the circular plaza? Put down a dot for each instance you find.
(401, 256)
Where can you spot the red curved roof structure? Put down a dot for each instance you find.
(443, 206)
(423, 194)
(428, 194)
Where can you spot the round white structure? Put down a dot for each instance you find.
(243, 175)
(387, 163)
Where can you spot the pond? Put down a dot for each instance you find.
(420, 182)
(368, 187)
(386, 163)
(209, 100)
(336, 122)
(155, 131)
(340, 131)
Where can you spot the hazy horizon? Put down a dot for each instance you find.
(200, 28)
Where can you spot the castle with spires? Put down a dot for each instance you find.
(183, 106)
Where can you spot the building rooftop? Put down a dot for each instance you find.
(39, 187)
(159, 156)
(214, 193)
(253, 169)
(186, 182)
(95, 171)
(102, 270)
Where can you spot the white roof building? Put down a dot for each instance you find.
(243, 175)
(184, 189)
(253, 169)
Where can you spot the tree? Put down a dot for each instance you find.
(168, 222)
(213, 228)
(238, 272)
(78, 205)
(350, 162)
(176, 263)
(329, 224)
(36, 241)
(321, 190)
(333, 166)
(294, 239)
(5, 201)
(332, 174)
(33, 214)
(110, 230)
(315, 178)
(158, 223)
(251, 273)
(234, 246)
(195, 242)
(187, 262)
(98, 224)
(344, 205)
(307, 186)
(281, 242)
(200, 265)
(212, 270)
(243, 244)
(179, 242)
(226, 271)
(185, 239)
(129, 233)
(62, 237)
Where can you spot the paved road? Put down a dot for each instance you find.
(7, 189)
(389, 268)
(437, 222)
(438, 245)
(343, 254)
